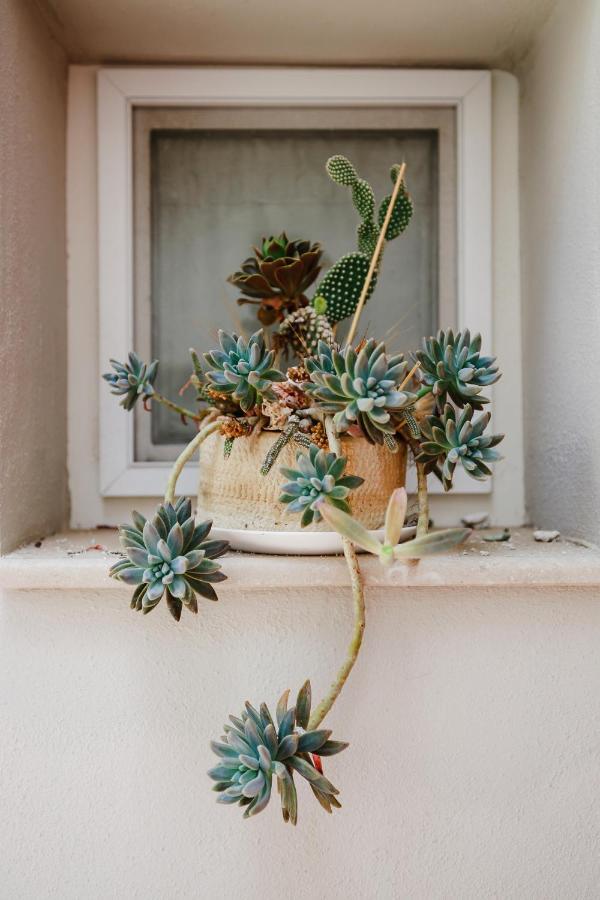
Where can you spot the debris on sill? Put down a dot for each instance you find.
(475, 520)
(501, 536)
(546, 537)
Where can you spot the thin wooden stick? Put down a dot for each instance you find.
(410, 375)
(376, 254)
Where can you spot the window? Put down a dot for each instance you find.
(195, 165)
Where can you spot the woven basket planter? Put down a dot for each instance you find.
(234, 494)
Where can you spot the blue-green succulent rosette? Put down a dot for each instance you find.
(319, 476)
(169, 556)
(133, 380)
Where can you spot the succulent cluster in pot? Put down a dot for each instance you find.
(298, 378)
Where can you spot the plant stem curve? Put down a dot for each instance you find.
(358, 597)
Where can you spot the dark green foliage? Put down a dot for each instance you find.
(252, 752)
(342, 285)
(169, 555)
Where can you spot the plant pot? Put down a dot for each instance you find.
(234, 494)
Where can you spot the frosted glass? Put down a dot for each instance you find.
(214, 193)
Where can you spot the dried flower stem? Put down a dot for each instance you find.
(186, 455)
(327, 702)
(376, 254)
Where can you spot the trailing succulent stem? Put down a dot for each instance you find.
(185, 457)
(358, 597)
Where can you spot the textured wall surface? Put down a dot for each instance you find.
(33, 73)
(472, 771)
(561, 259)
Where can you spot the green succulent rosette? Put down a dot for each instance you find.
(452, 366)
(169, 556)
(243, 369)
(132, 380)
(456, 437)
(253, 752)
(319, 476)
(360, 389)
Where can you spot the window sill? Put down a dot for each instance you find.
(72, 561)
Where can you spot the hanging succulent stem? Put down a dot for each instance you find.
(186, 455)
(327, 702)
(376, 254)
(181, 410)
(423, 496)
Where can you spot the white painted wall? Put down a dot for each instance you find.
(33, 341)
(560, 181)
(472, 771)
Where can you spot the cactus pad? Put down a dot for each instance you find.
(342, 285)
(367, 237)
(363, 199)
(401, 214)
(341, 170)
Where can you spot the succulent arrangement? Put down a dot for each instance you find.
(295, 379)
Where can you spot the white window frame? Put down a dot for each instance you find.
(119, 90)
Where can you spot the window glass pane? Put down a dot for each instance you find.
(216, 192)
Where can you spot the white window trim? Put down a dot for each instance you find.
(119, 90)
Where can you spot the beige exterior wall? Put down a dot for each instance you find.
(560, 190)
(33, 86)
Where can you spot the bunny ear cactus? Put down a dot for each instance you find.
(252, 752)
(243, 369)
(169, 555)
(457, 437)
(342, 285)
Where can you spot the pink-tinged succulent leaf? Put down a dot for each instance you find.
(395, 515)
(349, 528)
(435, 542)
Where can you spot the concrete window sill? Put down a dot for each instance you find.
(79, 560)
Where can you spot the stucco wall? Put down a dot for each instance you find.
(471, 773)
(561, 261)
(33, 85)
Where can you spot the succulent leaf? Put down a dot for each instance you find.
(243, 369)
(252, 752)
(456, 437)
(168, 556)
(277, 276)
(342, 285)
(318, 477)
(359, 389)
(132, 380)
(452, 366)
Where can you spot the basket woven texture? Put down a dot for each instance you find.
(234, 494)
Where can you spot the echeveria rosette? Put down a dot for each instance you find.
(253, 751)
(169, 556)
(359, 389)
(243, 369)
(132, 380)
(319, 476)
(458, 437)
(390, 550)
(451, 365)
